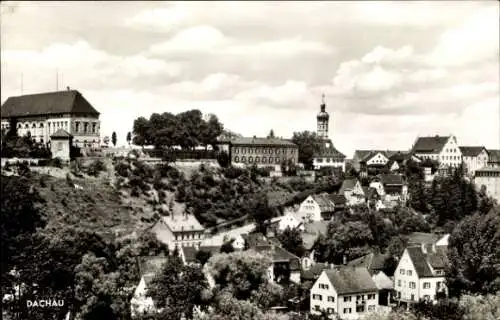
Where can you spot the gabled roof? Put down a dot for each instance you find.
(423, 261)
(351, 280)
(329, 152)
(348, 184)
(430, 144)
(471, 151)
(278, 254)
(314, 271)
(373, 154)
(59, 102)
(61, 133)
(422, 238)
(494, 155)
(372, 262)
(262, 142)
(183, 223)
(324, 202)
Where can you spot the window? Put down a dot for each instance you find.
(412, 285)
(371, 296)
(316, 308)
(331, 299)
(402, 271)
(59, 146)
(277, 160)
(347, 299)
(85, 127)
(427, 285)
(399, 283)
(243, 159)
(412, 297)
(347, 310)
(360, 309)
(317, 297)
(236, 150)
(410, 272)
(236, 159)
(427, 297)
(330, 310)
(323, 286)
(257, 159)
(264, 160)
(250, 159)
(371, 308)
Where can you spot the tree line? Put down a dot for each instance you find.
(186, 129)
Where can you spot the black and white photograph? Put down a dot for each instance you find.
(253, 160)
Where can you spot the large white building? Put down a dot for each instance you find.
(420, 273)
(439, 148)
(41, 115)
(344, 292)
(179, 231)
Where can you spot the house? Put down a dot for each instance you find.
(289, 221)
(373, 195)
(283, 262)
(179, 231)
(329, 157)
(317, 207)
(148, 268)
(188, 254)
(444, 149)
(255, 239)
(312, 272)
(420, 273)
(474, 158)
(310, 235)
(490, 179)
(443, 241)
(493, 158)
(391, 187)
(339, 200)
(375, 264)
(346, 292)
(393, 166)
(41, 115)
(352, 191)
(402, 158)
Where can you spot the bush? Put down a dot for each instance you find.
(23, 169)
(223, 159)
(122, 168)
(96, 167)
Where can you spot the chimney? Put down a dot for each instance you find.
(344, 260)
(67, 88)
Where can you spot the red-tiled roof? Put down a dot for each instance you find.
(430, 144)
(70, 101)
(423, 261)
(471, 151)
(351, 280)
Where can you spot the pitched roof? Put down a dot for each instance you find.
(262, 142)
(372, 262)
(338, 199)
(189, 254)
(329, 152)
(278, 254)
(351, 280)
(61, 133)
(314, 271)
(391, 179)
(185, 222)
(324, 202)
(471, 151)
(348, 184)
(430, 144)
(494, 155)
(255, 239)
(423, 261)
(70, 101)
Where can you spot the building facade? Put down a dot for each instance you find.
(474, 158)
(179, 231)
(420, 274)
(490, 178)
(344, 292)
(444, 149)
(263, 152)
(41, 115)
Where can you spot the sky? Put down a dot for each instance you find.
(390, 71)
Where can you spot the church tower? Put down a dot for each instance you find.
(322, 120)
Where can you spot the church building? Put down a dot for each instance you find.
(328, 156)
(42, 115)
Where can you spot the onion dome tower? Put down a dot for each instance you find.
(322, 120)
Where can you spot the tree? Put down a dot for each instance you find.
(177, 289)
(271, 134)
(142, 132)
(203, 256)
(262, 214)
(474, 255)
(223, 159)
(227, 247)
(291, 240)
(481, 307)
(129, 137)
(113, 138)
(308, 143)
(213, 129)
